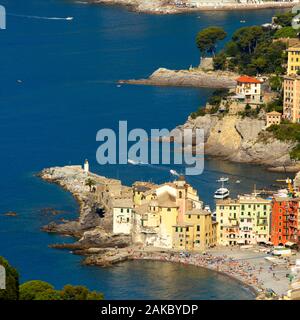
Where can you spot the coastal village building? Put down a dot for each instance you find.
(291, 86)
(170, 215)
(249, 90)
(291, 98)
(122, 216)
(273, 117)
(245, 220)
(293, 59)
(197, 232)
(285, 220)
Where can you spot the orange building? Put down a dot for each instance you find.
(284, 220)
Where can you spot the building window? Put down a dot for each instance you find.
(198, 228)
(180, 194)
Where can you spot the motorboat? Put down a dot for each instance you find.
(221, 193)
(132, 162)
(223, 179)
(174, 173)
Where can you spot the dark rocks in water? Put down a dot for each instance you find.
(51, 211)
(10, 214)
(99, 238)
(71, 228)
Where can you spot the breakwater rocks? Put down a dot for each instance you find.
(173, 6)
(188, 78)
(242, 140)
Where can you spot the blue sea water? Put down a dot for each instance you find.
(68, 92)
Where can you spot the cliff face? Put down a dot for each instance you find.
(241, 140)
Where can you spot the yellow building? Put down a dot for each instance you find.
(245, 220)
(291, 98)
(198, 232)
(227, 217)
(183, 237)
(273, 117)
(293, 60)
(291, 86)
(159, 208)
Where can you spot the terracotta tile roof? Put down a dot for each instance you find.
(247, 79)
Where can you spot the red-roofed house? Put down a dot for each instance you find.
(249, 90)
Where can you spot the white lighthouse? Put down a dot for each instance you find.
(86, 166)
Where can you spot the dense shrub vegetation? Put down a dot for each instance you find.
(252, 50)
(288, 132)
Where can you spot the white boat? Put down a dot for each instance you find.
(221, 193)
(238, 181)
(223, 179)
(242, 21)
(132, 162)
(174, 173)
(69, 18)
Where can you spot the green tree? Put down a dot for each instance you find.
(247, 38)
(232, 49)
(284, 19)
(286, 32)
(207, 39)
(11, 282)
(32, 289)
(49, 294)
(219, 61)
(217, 96)
(275, 83)
(90, 182)
(70, 292)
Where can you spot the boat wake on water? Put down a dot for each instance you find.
(39, 17)
(136, 163)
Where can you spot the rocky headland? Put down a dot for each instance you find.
(93, 228)
(188, 78)
(243, 139)
(173, 6)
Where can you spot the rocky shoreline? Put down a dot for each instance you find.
(170, 6)
(187, 78)
(243, 140)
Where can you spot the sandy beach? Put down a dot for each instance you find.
(246, 265)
